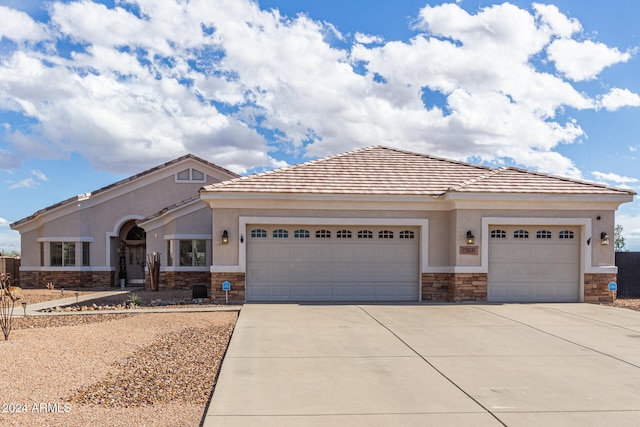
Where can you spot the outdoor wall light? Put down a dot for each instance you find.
(470, 238)
(604, 239)
(225, 237)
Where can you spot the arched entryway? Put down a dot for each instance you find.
(133, 253)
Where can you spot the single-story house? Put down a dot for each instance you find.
(92, 239)
(374, 224)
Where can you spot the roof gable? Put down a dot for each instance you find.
(126, 183)
(380, 170)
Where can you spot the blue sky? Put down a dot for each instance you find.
(94, 91)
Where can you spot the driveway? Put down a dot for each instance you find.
(405, 365)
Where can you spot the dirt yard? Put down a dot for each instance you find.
(152, 369)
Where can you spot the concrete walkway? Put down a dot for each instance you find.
(417, 365)
(36, 309)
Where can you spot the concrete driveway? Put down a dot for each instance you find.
(405, 365)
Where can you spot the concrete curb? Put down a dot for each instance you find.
(36, 309)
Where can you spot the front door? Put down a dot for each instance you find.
(135, 258)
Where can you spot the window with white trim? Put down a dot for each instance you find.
(385, 234)
(301, 234)
(323, 234)
(258, 233)
(86, 254)
(498, 234)
(190, 175)
(365, 234)
(193, 253)
(521, 234)
(280, 233)
(169, 253)
(407, 234)
(343, 234)
(62, 254)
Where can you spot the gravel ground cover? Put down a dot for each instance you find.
(149, 369)
(630, 303)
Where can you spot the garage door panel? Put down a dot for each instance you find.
(333, 268)
(534, 269)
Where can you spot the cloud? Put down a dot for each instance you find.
(583, 60)
(39, 175)
(615, 178)
(618, 98)
(3, 222)
(20, 27)
(25, 183)
(368, 39)
(133, 85)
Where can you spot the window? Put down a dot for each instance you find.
(86, 255)
(566, 234)
(343, 234)
(136, 233)
(385, 234)
(169, 253)
(323, 234)
(280, 234)
(190, 175)
(498, 234)
(41, 254)
(183, 176)
(407, 234)
(62, 253)
(365, 234)
(193, 253)
(259, 233)
(196, 175)
(301, 234)
(543, 234)
(521, 234)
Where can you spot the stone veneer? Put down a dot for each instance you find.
(454, 287)
(67, 279)
(596, 287)
(237, 292)
(181, 279)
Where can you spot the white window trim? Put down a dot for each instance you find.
(190, 180)
(77, 266)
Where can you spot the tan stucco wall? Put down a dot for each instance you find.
(103, 212)
(228, 219)
(447, 229)
(193, 223)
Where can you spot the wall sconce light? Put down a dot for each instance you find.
(470, 238)
(604, 239)
(225, 237)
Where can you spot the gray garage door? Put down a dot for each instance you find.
(332, 263)
(534, 264)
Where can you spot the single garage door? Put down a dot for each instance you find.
(332, 263)
(534, 264)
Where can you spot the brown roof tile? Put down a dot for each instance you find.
(382, 170)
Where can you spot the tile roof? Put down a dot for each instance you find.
(380, 170)
(122, 182)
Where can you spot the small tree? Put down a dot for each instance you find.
(619, 243)
(7, 302)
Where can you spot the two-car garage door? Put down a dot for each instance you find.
(534, 264)
(332, 263)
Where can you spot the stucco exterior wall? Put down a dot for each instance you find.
(94, 217)
(228, 219)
